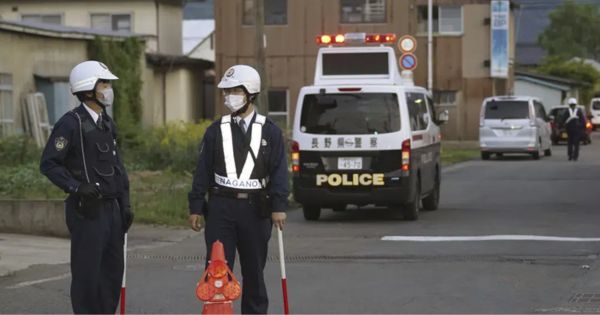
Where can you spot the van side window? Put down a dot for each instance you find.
(540, 112)
(431, 106)
(417, 110)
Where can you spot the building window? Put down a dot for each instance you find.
(42, 18)
(112, 22)
(445, 98)
(447, 19)
(275, 12)
(362, 11)
(278, 107)
(7, 120)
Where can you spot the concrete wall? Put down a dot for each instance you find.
(169, 29)
(24, 56)
(183, 95)
(42, 217)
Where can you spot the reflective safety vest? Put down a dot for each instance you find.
(572, 115)
(248, 179)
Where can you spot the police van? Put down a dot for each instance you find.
(363, 133)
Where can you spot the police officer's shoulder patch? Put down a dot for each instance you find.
(60, 143)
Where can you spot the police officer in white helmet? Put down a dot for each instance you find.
(82, 159)
(242, 171)
(575, 125)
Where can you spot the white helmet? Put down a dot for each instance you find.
(241, 75)
(85, 75)
(572, 101)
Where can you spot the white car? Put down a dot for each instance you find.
(595, 111)
(514, 124)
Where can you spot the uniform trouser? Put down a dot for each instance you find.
(96, 258)
(573, 146)
(237, 224)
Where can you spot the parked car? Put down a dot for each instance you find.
(595, 112)
(514, 124)
(558, 116)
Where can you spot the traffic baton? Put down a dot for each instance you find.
(283, 276)
(124, 283)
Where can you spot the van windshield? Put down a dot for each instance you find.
(596, 105)
(507, 110)
(356, 113)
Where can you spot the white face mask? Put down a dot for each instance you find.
(108, 97)
(235, 102)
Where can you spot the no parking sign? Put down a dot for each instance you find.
(408, 61)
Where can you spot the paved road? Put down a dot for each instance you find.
(340, 264)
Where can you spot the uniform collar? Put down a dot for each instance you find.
(248, 119)
(92, 113)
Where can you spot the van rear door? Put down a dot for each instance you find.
(345, 133)
(506, 118)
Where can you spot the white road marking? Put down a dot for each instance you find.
(488, 238)
(30, 283)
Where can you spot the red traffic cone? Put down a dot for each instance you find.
(218, 287)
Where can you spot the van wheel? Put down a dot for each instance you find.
(339, 208)
(432, 201)
(548, 152)
(311, 213)
(411, 209)
(485, 155)
(536, 155)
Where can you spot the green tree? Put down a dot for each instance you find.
(574, 70)
(123, 58)
(573, 31)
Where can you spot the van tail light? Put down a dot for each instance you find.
(406, 156)
(295, 157)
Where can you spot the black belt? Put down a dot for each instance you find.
(230, 194)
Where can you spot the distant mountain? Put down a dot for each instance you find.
(198, 10)
(530, 21)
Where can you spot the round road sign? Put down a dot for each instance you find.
(408, 61)
(407, 44)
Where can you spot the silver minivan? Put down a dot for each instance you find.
(514, 124)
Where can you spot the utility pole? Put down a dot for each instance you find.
(430, 46)
(261, 45)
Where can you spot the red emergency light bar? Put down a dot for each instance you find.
(361, 38)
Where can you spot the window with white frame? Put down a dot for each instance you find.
(7, 119)
(444, 98)
(446, 19)
(275, 12)
(362, 11)
(278, 107)
(42, 18)
(111, 22)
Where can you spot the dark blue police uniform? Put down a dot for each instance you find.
(575, 130)
(235, 216)
(96, 225)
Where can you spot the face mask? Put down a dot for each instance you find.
(235, 102)
(108, 97)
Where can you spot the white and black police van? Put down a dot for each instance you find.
(363, 133)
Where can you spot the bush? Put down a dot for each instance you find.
(25, 181)
(17, 150)
(174, 147)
